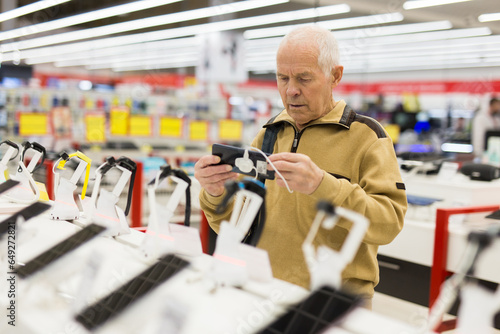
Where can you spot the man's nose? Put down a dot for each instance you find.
(292, 89)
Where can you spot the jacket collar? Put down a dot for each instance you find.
(340, 115)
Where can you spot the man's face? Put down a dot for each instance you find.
(304, 89)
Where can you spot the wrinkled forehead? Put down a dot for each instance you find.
(296, 44)
(297, 56)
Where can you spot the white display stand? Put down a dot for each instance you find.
(186, 303)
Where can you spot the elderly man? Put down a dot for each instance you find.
(325, 151)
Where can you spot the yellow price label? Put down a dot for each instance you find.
(198, 130)
(89, 103)
(171, 127)
(393, 130)
(140, 125)
(119, 122)
(33, 124)
(95, 128)
(230, 129)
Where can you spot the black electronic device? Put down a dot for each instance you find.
(59, 250)
(321, 309)
(480, 172)
(235, 156)
(114, 303)
(28, 212)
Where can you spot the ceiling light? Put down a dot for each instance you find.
(409, 46)
(82, 18)
(331, 25)
(390, 61)
(423, 65)
(272, 43)
(109, 62)
(154, 65)
(34, 7)
(489, 17)
(174, 32)
(418, 37)
(167, 45)
(445, 50)
(457, 148)
(393, 30)
(140, 24)
(428, 3)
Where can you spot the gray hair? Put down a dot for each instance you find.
(328, 50)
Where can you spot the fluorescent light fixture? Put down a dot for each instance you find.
(166, 46)
(445, 50)
(272, 42)
(141, 24)
(154, 65)
(393, 30)
(464, 63)
(138, 57)
(489, 17)
(413, 4)
(416, 59)
(82, 18)
(171, 33)
(456, 148)
(419, 37)
(331, 24)
(34, 7)
(464, 43)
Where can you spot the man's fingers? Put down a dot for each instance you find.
(282, 166)
(285, 156)
(208, 160)
(213, 170)
(218, 178)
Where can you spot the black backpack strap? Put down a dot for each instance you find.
(269, 139)
(270, 135)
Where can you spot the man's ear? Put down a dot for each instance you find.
(337, 73)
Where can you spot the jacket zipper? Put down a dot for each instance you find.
(296, 140)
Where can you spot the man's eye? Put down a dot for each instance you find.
(304, 79)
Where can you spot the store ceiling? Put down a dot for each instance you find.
(466, 42)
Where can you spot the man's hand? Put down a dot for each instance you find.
(212, 178)
(299, 171)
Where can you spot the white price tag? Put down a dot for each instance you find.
(258, 264)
